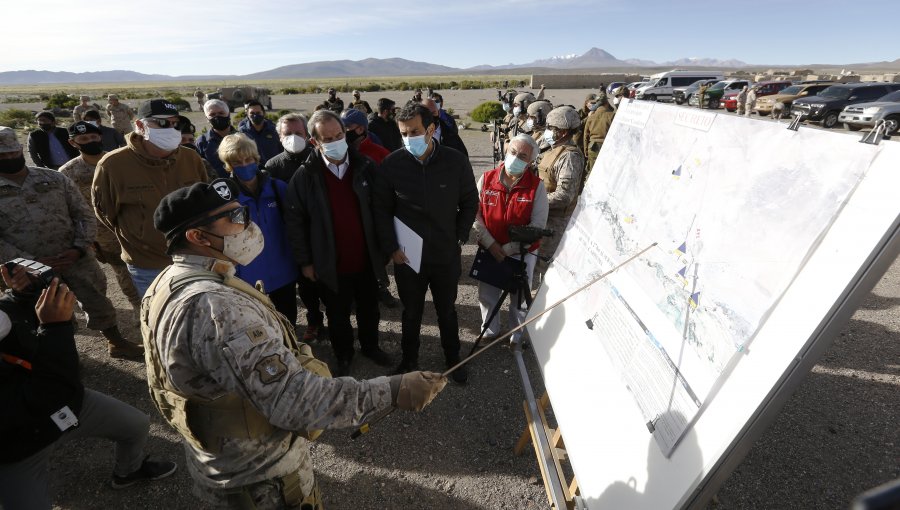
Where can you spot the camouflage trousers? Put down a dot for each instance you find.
(88, 282)
(264, 495)
(557, 224)
(110, 252)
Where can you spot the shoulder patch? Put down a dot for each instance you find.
(270, 369)
(256, 334)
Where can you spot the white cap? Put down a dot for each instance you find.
(5, 325)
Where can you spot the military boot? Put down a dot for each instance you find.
(119, 347)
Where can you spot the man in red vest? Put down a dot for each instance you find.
(511, 194)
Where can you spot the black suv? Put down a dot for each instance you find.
(827, 105)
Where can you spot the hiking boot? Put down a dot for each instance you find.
(385, 298)
(149, 470)
(119, 347)
(461, 374)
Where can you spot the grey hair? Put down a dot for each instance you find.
(320, 117)
(535, 150)
(290, 117)
(215, 102)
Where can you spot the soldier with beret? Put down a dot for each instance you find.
(227, 371)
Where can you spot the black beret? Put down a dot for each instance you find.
(185, 205)
(83, 128)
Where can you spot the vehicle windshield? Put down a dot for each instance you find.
(835, 93)
(793, 89)
(718, 86)
(893, 97)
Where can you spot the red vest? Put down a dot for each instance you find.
(501, 208)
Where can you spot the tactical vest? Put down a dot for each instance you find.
(546, 165)
(501, 208)
(206, 423)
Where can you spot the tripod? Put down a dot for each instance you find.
(519, 284)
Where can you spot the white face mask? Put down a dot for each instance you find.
(293, 143)
(167, 139)
(517, 111)
(529, 124)
(548, 136)
(245, 246)
(616, 101)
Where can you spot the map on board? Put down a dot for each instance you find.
(736, 207)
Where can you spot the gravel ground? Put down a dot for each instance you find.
(836, 437)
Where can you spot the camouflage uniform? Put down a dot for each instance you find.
(362, 106)
(120, 117)
(215, 341)
(80, 110)
(46, 215)
(701, 95)
(106, 244)
(336, 105)
(595, 131)
(560, 169)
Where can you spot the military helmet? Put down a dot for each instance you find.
(622, 91)
(563, 117)
(544, 107)
(524, 99)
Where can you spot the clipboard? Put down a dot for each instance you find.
(485, 268)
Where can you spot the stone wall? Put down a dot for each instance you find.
(579, 81)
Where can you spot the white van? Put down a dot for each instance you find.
(661, 85)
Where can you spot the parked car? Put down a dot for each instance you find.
(827, 106)
(715, 93)
(778, 105)
(763, 89)
(858, 116)
(682, 95)
(633, 86)
(613, 86)
(661, 85)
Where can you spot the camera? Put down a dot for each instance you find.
(527, 234)
(39, 274)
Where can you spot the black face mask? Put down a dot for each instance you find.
(352, 137)
(11, 166)
(436, 121)
(257, 118)
(91, 148)
(220, 123)
(46, 127)
(192, 147)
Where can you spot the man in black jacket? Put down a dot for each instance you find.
(382, 125)
(431, 189)
(446, 133)
(44, 403)
(49, 146)
(329, 222)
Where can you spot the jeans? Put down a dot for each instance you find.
(23, 484)
(142, 278)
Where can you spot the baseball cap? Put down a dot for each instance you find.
(83, 128)
(157, 108)
(354, 116)
(8, 140)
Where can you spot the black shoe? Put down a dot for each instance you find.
(378, 356)
(460, 375)
(385, 298)
(149, 470)
(404, 367)
(343, 368)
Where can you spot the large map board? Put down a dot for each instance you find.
(660, 373)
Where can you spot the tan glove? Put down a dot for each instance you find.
(418, 389)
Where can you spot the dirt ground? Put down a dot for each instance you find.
(836, 437)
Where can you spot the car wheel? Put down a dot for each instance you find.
(713, 104)
(651, 97)
(779, 113)
(851, 127)
(893, 125)
(679, 101)
(731, 110)
(830, 120)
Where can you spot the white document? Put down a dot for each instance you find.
(410, 243)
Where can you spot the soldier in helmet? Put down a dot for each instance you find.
(595, 129)
(519, 115)
(583, 113)
(359, 104)
(560, 169)
(537, 122)
(333, 102)
(226, 370)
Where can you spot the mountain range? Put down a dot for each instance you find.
(594, 59)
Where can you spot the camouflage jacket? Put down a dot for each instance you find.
(120, 115)
(80, 110)
(82, 174)
(43, 216)
(214, 340)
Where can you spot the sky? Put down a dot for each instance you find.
(246, 36)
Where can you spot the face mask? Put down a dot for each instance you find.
(257, 118)
(11, 166)
(220, 123)
(529, 124)
(514, 165)
(506, 107)
(416, 145)
(244, 247)
(517, 111)
(246, 172)
(335, 150)
(91, 148)
(46, 127)
(192, 147)
(352, 137)
(167, 139)
(293, 143)
(548, 136)
(438, 105)
(594, 106)
(616, 101)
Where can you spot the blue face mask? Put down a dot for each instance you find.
(416, 145)
(335, 150)
(246, 172)
(514, 165)
(506, 107)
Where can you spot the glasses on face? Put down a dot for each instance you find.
(164, 123)
(238, 216)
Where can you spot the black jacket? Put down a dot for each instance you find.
(284, 165)
(438, 200)
(111, 139)
(386, 131)
(39, 146)
(29, 396)
(308, 217)
(450, 137)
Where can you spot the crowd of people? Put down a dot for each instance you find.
(212, 241)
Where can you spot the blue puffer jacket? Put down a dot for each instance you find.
(275, 266)
(267, 142)
(208, 143)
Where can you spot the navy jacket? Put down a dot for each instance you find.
(39, 146)
(208, 144)
(267, 142)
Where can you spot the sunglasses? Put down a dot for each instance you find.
(164, 123)
(238, 216)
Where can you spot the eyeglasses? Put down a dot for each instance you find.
(238, 216)
(164, 123)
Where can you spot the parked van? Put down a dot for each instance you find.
(661, 85)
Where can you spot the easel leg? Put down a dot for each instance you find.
(525, 438)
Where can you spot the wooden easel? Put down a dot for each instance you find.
(558, 452)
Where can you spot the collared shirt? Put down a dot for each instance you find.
(57, 152)
(339, 170)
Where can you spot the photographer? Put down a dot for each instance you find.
(44, 403)
(510, 194)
